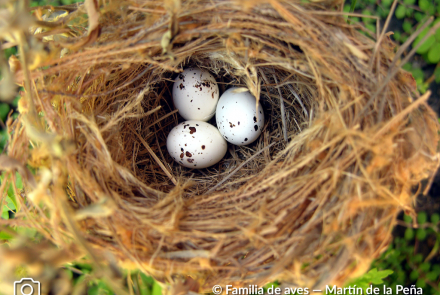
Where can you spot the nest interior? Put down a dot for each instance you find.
(312, 210)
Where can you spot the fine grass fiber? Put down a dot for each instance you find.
(345, 147)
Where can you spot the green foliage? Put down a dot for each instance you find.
(418, 75)
(4, 110)
(400, 11)
(373, 277)
(11, 200)
(411, 265)
(424, 5)
(422, 217)
(412, 13)
(435, 218)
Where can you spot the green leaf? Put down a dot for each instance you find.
(409, 12)
(426, 45)
(432, 276)
(418, 74)
(5, 214)
(382, 12)
(93, 290)
(400, 11)
(371, 27)
(437, 79)
(425, 266)
(353, 5)
(424, 5)
(407, 67)
(28, 232)
(144, 284)
(431, 9)
(104, 287)
(435, 217)
(157, 289)
(421, 234)
(371, 277)
(5, 236)
(367, 20)
(409, 234)
(15, 101)
(409, 2)
(418, 16)
(421, 283)
(437, 34)
(147, 279)
(18, 181)
(387, 3)
(407, 218)
(417, 258)
(407, 26)
(434, 53)
(4, 110)
(3, 139)
(422, 217)
(397, 36)
(10, 51)
(414, 275)
(378, 276)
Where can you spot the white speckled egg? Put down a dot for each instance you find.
(238, 120)
(195, 94)
(196, 144)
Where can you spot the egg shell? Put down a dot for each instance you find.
(238, 119)
(195, 94)
(196, 144)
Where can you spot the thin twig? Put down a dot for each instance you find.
(156, 158)
(410, 40)
(283, 110)
(394, 70)
(239, 167)
(306, 113)
(385, 27)
(402, 114)
(161, 118)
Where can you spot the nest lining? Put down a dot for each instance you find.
(154, 130)
(312, 211)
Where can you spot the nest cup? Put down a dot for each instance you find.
(311, 210)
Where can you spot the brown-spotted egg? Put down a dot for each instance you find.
(238, 119)
(196, 144)
(195, 94)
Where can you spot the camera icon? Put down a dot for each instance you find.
(26, 286)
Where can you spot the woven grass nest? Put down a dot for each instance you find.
(311, 210)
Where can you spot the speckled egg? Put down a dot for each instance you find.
(238, 119)
(196, 144)
(195, 94)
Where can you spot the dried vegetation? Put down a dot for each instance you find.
(311, 202)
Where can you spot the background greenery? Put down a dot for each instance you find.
(413, 257)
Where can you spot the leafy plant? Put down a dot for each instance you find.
(373, 277)
(412, 263)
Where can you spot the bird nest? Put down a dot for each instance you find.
(311, 202)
